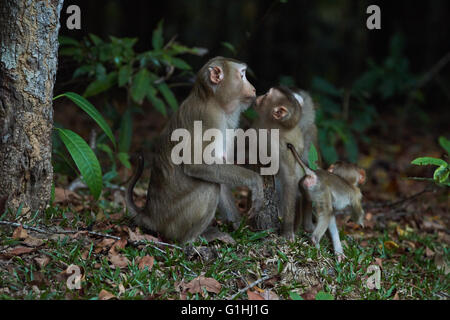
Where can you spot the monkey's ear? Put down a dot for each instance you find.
(279, 112)
(215, 74)
(362, 176)
(331, 168)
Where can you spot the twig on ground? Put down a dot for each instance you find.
(15, 224)
(251, 285)
(49, 231)
(401, 201)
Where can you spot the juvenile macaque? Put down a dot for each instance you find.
(330, 191)
(182, 199)
(280, 109)
(308, 127)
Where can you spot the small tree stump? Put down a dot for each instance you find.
(267, 218)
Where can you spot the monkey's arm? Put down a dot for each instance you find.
(230, 175)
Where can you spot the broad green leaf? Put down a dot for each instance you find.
(87, 107)
(95, 39)
(445, 143)
(125, 131)
(313, 157)
(168, 95)
(85, 160)
(157, 38)
(101, 85)
(124, 158)
(179, 63)
(441, 174)
(324, 296)
(140, 85)
(295, 296)
(157, 102)
(109, 176)
(125, 74)
(424, 161)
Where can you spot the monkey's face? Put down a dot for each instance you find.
(232, 89)
(277, 107)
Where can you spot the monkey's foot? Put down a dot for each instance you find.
(289, 235)
(340, 256)
(309, 228)
(213, 233)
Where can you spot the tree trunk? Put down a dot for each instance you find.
(267, 218)
(28, 63)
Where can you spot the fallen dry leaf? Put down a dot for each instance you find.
(17, 251)
(428, 252)
(63, 195)
(118, 260)
(146, 261)
(312, 292)
(379, 262)
(197, 285)
(138, 236)
(253, 295)
(105, 295)
(20, 233)
(119, 244)
(390, 245)
(105, 243)
(33, 242)
(269, 295)
(42, 261)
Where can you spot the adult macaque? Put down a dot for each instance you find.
(332, 190)
(279, 109)
(182, 199)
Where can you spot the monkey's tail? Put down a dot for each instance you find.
(305, 168)
(131, 205)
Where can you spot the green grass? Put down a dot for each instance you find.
(406, 273)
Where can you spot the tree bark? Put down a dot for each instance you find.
(267, 218)
(28, 63)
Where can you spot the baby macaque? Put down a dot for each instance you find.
(279, 109)
(330, 191)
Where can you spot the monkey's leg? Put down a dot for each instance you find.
(323, 220)
(334, 233)
(308, 224)
(228, 210)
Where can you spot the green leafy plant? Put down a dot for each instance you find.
(83, 156)
(114, 63)
(113, 67)
(441, 175)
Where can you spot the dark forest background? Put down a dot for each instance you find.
(301, 39)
